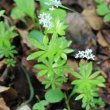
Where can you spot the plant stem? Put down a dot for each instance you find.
(67, 102)
(30, 86)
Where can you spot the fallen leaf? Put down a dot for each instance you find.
(92, 18)
(106, 34)
(3, 105)
(101, 40)
(3, 88)
(25, 38)
(10, 95)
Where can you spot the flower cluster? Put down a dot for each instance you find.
(45, 20)
(53, 3)
(85, 54)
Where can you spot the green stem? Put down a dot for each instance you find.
(30, 87)
(67, 102)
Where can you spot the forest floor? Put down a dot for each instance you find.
(86, 30)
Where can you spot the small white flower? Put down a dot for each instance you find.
(85, 54)
(54, 3)
(45, 20)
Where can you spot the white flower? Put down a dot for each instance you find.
(55, 3)
(85, 54)
(45, 20)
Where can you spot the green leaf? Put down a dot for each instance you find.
(40, 105)
(64, 7)
(37, 39)
(40, 66)
(77, 75)
(68, 51)
(57, 12)
(42, 72)
(89, 69)
(102, 9)
(45, 40)
(54, 95)
(83, 70)
(77, 82)
(64, 56)
(42, 4)
(99, 1)
(35, 55)
(2, 12)
(27, 7)
(60, 27)
(94, 75)
(107, 18)
(79, 97)
(16, 13)
(37, 35)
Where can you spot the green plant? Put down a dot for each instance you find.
(51, 55)
(23, 8)
(49, 98)
(10, 62)
(53, 50)
(2, 12)
(103, 9)
(52, 59)
(6, 49)
(87, 86)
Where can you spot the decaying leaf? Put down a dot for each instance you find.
(3, 105)
(25, 38)
(92, 18)
(3, 88)
(2, 63)
(106, 34)
(101, 40)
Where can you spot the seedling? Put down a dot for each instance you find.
(87, 86)
(10, 62)
(6, 49)
(53, 50)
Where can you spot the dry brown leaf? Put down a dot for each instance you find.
(2, 63)
(101, 40)
(3, 105)
(25, 38)
(92, 18)
(3, 88)
(10, 95)
(106, 34)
